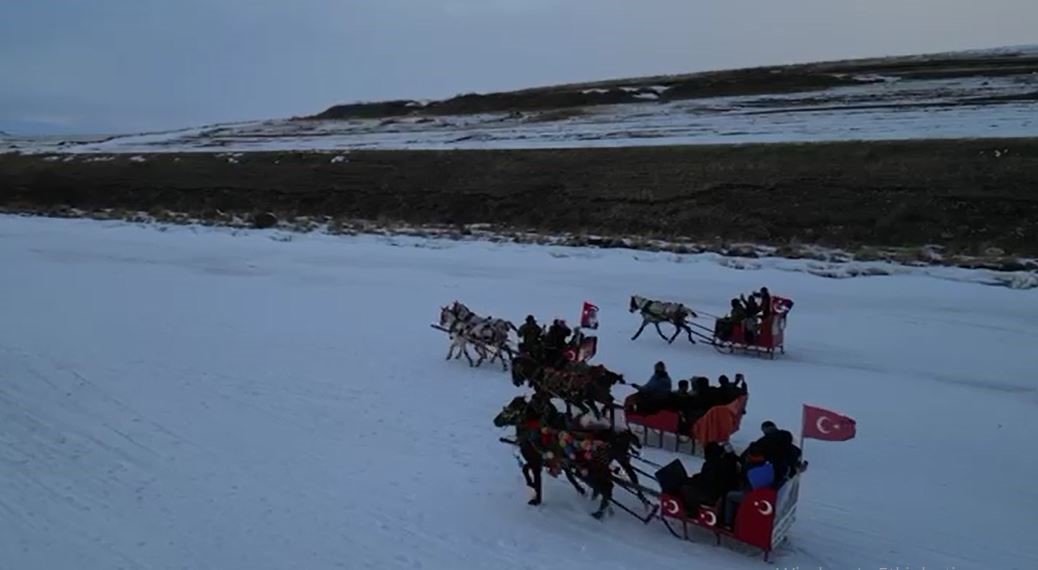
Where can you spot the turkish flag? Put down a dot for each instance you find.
(589, 316)
(781, 305)
(823, 424)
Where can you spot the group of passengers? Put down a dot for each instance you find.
(749, 312)
(726, 478)
(692, 399)
(550, 345)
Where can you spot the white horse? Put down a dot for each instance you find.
(488, 336)
(656, 312)
(492, 339)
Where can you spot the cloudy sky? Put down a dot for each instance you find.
(131, 65)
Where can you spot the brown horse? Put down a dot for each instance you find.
(583, 386)
(542, 441)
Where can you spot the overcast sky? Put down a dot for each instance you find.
(131, 65)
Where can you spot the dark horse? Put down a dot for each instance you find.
(578, 384)
(539, 428)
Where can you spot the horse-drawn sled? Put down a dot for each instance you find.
(491, 338)
(756, 325)
(603, 459)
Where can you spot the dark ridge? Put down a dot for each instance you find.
(749, 81)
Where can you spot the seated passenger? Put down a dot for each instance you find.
(776, 445)
(752, 308)
(555, 341)
(749, 312)
(709, 396)
(718, 476)
(654, 394)
(679, 397)
(740, 384)
(738, 312)
(724, 325)
(757, 473)
(728, 390)
(765, 302)
(682, 402)
(531, 337)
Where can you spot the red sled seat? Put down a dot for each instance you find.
(716, 426)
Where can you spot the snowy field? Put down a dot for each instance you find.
(199, 398)
(889, 109)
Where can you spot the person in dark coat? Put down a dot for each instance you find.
(531, 336)
(728, 390)
(682, 402)
(555, 341)
(718, 476)
(738, 312)
(740, 384)
(757, 472)
(709, 396)
(765, 302)
(679, 398)
(752, 308)
(776, 445)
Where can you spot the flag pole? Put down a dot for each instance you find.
(803, 419)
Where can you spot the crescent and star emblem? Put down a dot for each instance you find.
(671, 506)
(821, 423)
(708, 518)
(764, 507)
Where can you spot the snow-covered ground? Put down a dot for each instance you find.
(204, 398)
(884, 110)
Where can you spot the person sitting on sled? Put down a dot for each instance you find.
(728, 391)
(750, 322)
(724, 326)
(756, 473)
(654, 394)
(752, 308)
(683, 402)
(718, 476)
(777, 447)
(555, 342)
(765, 302)
(709, 396)
(531, 336)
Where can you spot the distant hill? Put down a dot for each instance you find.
(782, 79)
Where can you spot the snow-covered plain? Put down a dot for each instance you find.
(200, 398)
(888, 109)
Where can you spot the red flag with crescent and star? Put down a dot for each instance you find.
(589, 316)
(826, 425)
